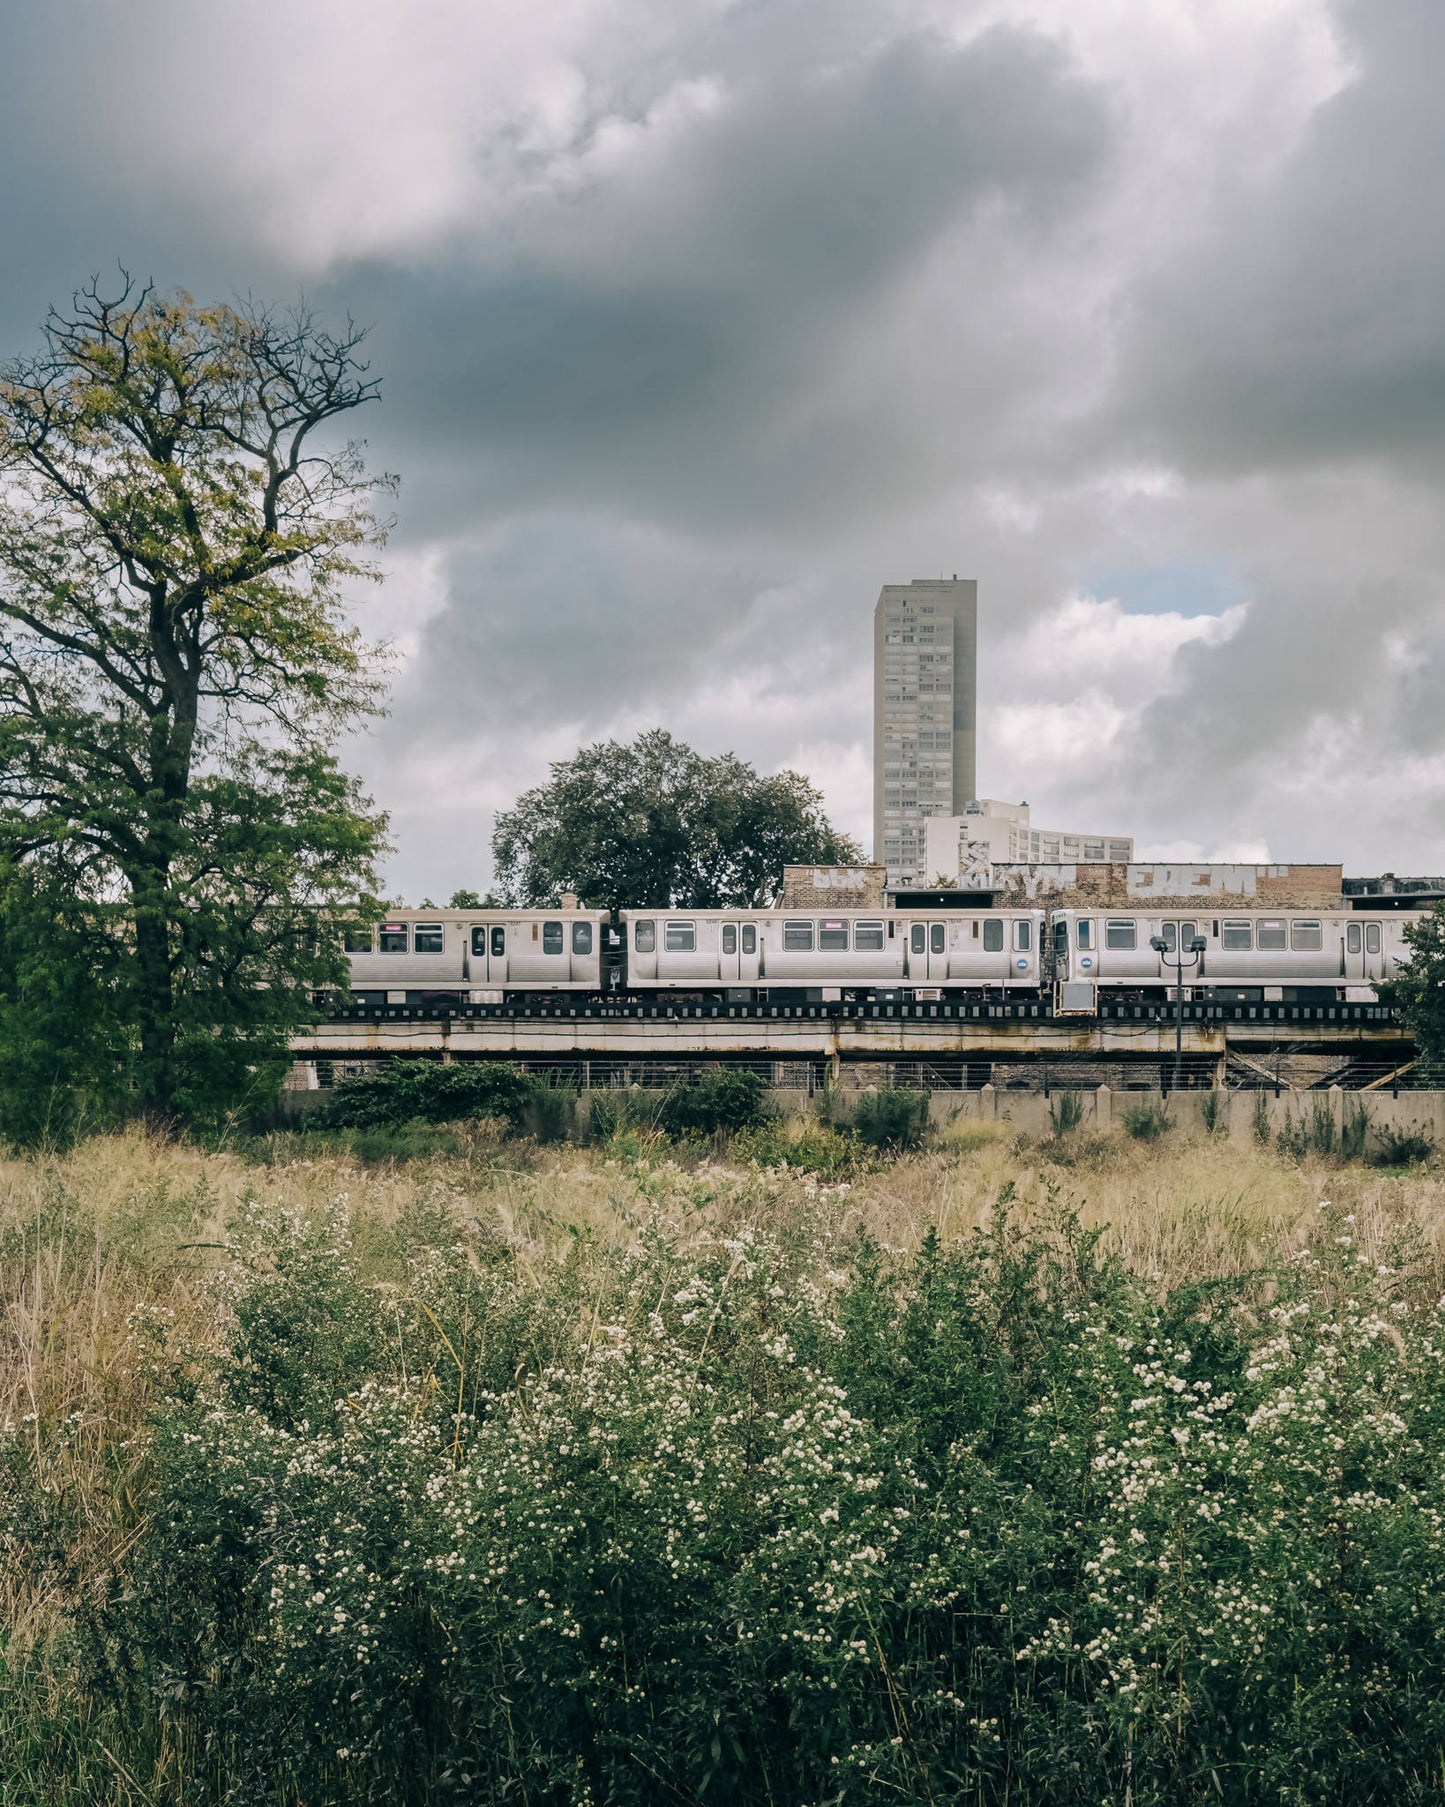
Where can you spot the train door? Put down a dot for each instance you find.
(1374, 952)
(488, 954)
(728, 957)
(928, 952)
(1355, 953)
(1176, 936)
(749, 957)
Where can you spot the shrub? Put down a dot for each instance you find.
(1066, 1112)
(1312, 1135)
(404, 1091)
(1354, 1132)
(1145, 1121)
(893, 1117)
(810, 1146)
(1214, 1110)
(1405, 1147)
(719, 1099)
(1259, 1119)
(757, 1518)
(550, 1114)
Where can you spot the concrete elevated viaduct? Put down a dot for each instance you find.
(941, 1046)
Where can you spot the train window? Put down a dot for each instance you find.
(730, 938)
(429, 938)
(833, 937)
(1023, 935)
(1271, 937)
(1187, 933)
(1119, 934)
(920, 938)
(798, 937)
(499, 943)
(1237, 936)
(993, 935)
(1169, 935)
(868, 937)
(679, 937)
(395, 938)
(644, 937)
(356, 937)
(581, 937)
(750, 938)
(1372, 937)
(937, 938)
(1354, 939)
(553, 941)
(1061, 938)
(479, 943)
(1085, 932)
(1307, 937)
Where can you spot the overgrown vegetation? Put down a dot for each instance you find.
(652, 1468)
(722, 1098)
(893, 1117)
(426, 1497)
(424, 1091)
(1403, 1147)
(1145, 1121)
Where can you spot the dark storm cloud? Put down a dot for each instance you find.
(669, 335)
(698, 321)
(1304, 320)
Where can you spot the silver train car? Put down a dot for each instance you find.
(743, 953)
(1300, 956)
(475, 956)
(416, 958)
(1075, 958)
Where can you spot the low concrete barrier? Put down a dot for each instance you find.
(1033, 1113)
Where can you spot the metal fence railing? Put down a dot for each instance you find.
(1281, 1070)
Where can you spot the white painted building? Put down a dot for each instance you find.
(990, 833)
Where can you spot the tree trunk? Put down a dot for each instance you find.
(154, 1002)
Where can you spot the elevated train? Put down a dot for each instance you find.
(1074, 958)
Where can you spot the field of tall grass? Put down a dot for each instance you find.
(458, 1467)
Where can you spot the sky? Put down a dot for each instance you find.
(700, 320)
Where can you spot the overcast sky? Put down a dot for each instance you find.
(699, 320)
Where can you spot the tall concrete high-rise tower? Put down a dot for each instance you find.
(925, 684)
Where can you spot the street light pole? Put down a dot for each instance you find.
(1178, 962)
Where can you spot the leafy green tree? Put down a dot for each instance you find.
(1418, 990)
(63, 1037)
(654, 824)
(178, 520)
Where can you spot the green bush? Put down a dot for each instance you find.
(1145, 1121)
(771, 1517)
(893, 1117)
(621, 1111)
(426, 1091)
(1354, 1132)
(810, 1146)
(1066, 1112)
(1259, 1119)
(550, 1114)
(1406, 1147)
(1214, 1110)
(722, 1098)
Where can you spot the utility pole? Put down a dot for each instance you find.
(1178, 961)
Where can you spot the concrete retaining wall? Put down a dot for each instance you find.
(1029, 1112)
